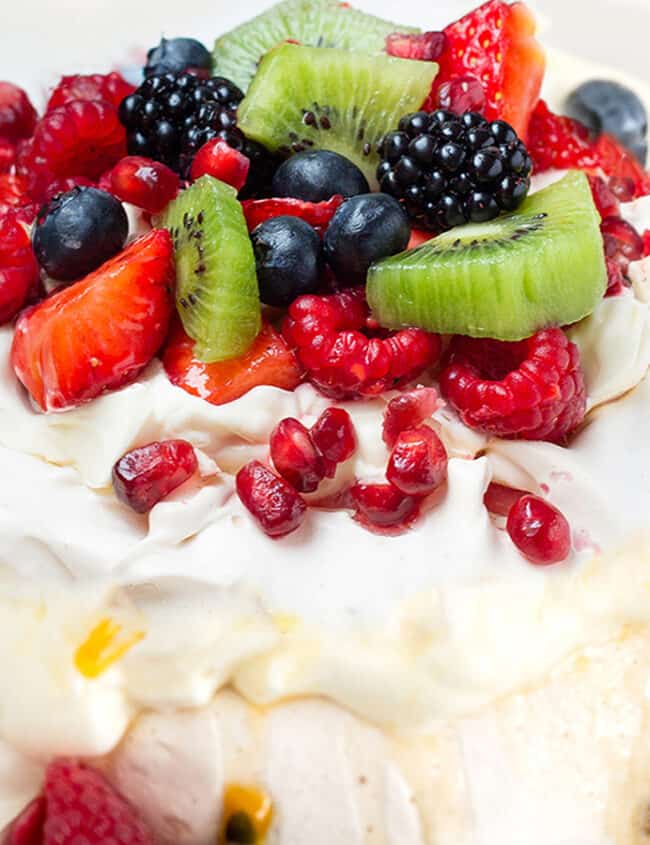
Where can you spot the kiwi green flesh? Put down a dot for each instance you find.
(317, 98)
(216, 285)
(314, 23)
(541, 266)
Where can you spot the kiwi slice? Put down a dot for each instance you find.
(541, 266)
(314, 23)
(216, 285)
(313, 98)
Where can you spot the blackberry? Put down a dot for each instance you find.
(449, 169)
(171, 115)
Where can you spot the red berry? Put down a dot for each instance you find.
(7, 155)
(499, 499)
(606, 202)
(408, 410)
(317, 214)
(418, 463)
(382, 506)
(146, 475)
(219, 159)
(533, 389)
(111, 88)
(425, 46)
(616, 280)
(27, 828)
(341, 360)
(461, 94)
(62, 186)
(622, 241)
(19, 275)
(295, 456)
(334, 435)
(274, 503)
(148, 184)
(646, 243)
(14, 197)
(17, 115)
(540, 532)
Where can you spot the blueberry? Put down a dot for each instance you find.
(78, 231)
(316, 175)
(289, 259)
(606, 106)
(177, 54)
(363, 230)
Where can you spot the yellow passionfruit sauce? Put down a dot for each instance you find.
(107, 643)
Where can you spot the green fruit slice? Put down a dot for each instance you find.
(216, 285)
(541, 266)
(314, 23)
(312, 98)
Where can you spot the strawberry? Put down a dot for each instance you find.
(269, 361)
(100, 332)
(110, 87)
(19, 276)
(495, 43)
(317, 214)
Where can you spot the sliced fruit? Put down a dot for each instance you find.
(495, 43)
(541, 266)
(269, 361)
(100, 332)
(314, 23)
(317, 214)
(305, 97)
(216, 292)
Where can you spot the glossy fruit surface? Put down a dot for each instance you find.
(146, 475)
(317, 175)
(19, 276)
(219, 159)
(418, 462)
(148, 184)
(177, 55)
(275, 504)
(540, 532)
(295, 456)
(17, 114)
(317, 214)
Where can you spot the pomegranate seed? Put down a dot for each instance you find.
(539, 531)
(277, 507)
(408, 410)
(425, 46)
(7, 155)
(499, 499)
(144, 476)
(144, 182)
(27, 828)
(17, 114)
(616, 282)
(295, 457)
(219, 159)
(622, 241)
(418, 463)
(465, 93)
(334, 435)
(606, 202)
(383, 506)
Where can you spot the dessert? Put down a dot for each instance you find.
(339, 453)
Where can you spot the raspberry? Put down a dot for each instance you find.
(19, 274)
(80, 138)
(17, 114)
(274, 503)
(341, 360)
(27, 827)
(140, 181)
(144, 476)
(7, 155)
(418, 463)
(408, 410)
(425, 47)
(219, 159)
(14, 197)
(532, 389)
(540, 532)
(111, 87)
(334, 436)
(295, 456)
(382, 507)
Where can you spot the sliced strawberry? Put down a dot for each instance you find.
(110, 87)
(496, 44)
(19, 275)
(269, 361)
(317, 214)
(100, 332)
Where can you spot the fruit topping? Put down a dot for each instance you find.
(409, 410)
(382, 507)
(540, 532)
(247, 815)
(78, 231)
(315, 23)
(66, 350)
(295, 457)
(106, 643)
(530, 390)
(148, 184)
(7, 155)
(172, 115)
(289, 259)
(216, 292)
(175, 55)
(19, 275)
(219, 159)
(276, 505)
(27, 827)
(449, 170)
(17, 114)
(14, 197)
(606, 106)
(146, 475)
(317, 175)
(418, 462)
(461, 94)
(495, 44)
(269, 361)
(365, 229)
(344, 362)
(111, 88)
(622, 241)
(542, 265)
(304, 97)
(334, 436)
(317, 214)
(421, 46)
